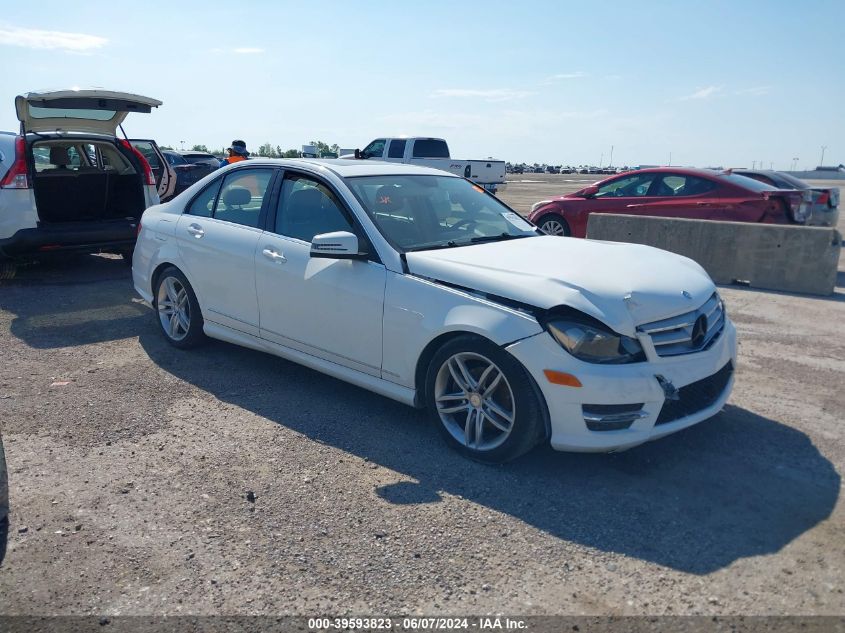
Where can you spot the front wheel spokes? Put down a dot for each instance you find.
(460, 398)
(461, 375)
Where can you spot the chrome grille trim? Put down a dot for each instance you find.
(673, 336)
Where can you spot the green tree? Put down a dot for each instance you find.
(267, 151)
(291, 153)
(165, 147)
(199, 148)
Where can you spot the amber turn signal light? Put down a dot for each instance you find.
(560, 378)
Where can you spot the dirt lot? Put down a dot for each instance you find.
(131, 465)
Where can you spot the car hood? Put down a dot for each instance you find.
(591, 276)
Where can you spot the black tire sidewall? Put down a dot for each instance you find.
(529, 422)
(195, 335)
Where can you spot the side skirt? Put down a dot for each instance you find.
(357, 378)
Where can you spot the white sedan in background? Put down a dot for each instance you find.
(418, 285)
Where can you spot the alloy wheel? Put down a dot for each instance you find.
(474, 401)
(174, 308)
(553, 227)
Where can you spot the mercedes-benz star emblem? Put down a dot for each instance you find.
(699, 331)
(686, 294)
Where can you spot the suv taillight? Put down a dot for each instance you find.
(18, 176)
(823, 198)
(149, 178)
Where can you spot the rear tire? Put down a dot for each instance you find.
(483, 401)
(177, 309)
(554, 225)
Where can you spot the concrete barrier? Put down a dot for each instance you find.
(770, 256)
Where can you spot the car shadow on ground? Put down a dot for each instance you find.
(73, 300)
(736, 486)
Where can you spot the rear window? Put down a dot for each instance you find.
(745, 182)
(199, 158)
(70, 113)
(430, 148)
(792, 181)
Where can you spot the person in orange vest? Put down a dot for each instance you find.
(236, 153)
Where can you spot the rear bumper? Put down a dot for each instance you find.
(823, 215)
(87, 236)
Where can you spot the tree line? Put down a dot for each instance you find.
(267, 150)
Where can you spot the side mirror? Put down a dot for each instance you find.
(337, 245)
(358, 154)
(589, 192)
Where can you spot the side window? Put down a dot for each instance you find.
(694, 186)
(203, 205)
(632, 186)
(308, 208)
(242, 195)
(397, 149)
(374, 149)
(430, 148)
(146, 148)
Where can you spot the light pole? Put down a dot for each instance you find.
(795, 164)
(821, 162)
(601, 161)
(611, 156)
(183, 145)
(670, 159)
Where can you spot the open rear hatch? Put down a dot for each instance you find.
(91, 111)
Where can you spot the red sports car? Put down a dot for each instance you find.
(699, 194)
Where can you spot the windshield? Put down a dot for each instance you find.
(426, 212)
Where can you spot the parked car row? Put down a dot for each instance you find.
(523, 168)
(685, 193)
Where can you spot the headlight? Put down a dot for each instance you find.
(537, 205)
(595, 343)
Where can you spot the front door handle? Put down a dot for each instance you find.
(195, 230)
(275, 256)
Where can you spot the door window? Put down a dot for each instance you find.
(308, 208)
(203, 205)
(680, 185)
(374, 149)
(242, 196)
(397, 149)
(631, 186)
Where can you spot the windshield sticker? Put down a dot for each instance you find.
(517, 221)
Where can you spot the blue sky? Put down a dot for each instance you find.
(712, 83)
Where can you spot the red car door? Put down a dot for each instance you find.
(677, 195)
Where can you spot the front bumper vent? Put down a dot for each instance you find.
(696, 396)
(612, 417)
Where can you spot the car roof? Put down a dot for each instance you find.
(346, 168)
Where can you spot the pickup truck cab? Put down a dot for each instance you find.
(434, 152)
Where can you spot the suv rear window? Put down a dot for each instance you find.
(70, 113)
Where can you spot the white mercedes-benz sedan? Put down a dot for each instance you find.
(420, 286)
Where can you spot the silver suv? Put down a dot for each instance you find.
(67, 182)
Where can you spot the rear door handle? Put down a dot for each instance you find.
(195, 230)
(275, 256)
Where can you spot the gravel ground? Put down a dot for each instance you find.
(146, 480)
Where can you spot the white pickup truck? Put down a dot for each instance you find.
(434, 152)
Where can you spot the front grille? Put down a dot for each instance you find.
(696, 396)
(687, 333)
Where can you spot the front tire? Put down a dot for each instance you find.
(178, 310)
(554, 225)
(483, 401)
